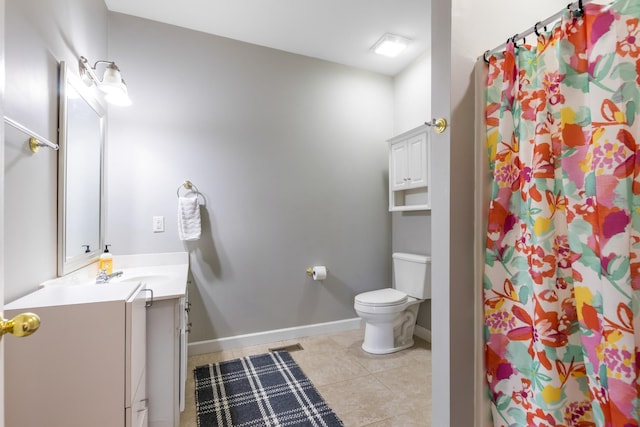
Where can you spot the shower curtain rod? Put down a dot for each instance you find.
(534, 29)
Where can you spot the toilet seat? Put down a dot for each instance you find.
(381, 298)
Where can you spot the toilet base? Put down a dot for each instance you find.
(375, 350)
(384, 335)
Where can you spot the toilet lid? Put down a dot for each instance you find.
(388, 296)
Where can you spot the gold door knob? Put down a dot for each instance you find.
(439, 125)
(21, 326)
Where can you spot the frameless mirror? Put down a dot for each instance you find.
(80, 174)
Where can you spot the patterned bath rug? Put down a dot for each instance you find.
(264, 390)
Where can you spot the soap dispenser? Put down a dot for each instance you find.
(105, 261)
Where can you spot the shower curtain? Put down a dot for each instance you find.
(562, 267)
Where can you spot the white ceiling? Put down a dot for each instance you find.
(341, 31)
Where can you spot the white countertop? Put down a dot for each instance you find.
(165, 273)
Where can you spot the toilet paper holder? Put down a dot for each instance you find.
(310, 271)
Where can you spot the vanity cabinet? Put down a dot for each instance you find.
(409, 171)
(167, 360)
(86, 365)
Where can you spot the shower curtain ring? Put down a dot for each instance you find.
(484, 56)
(535, 28)
(579, 12)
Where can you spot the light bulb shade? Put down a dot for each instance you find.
(112, 84)
(112, 80)
(390, 45)
(119, 97)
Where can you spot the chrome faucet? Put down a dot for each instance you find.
(103, 277)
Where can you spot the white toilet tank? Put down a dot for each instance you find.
(412, 274)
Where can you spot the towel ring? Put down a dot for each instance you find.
(189, 186)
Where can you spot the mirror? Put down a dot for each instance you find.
(80, 174)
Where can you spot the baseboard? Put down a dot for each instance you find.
(229, 343)
(423, 333)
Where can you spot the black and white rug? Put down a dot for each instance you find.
(264, 390)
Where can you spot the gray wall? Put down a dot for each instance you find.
(412, 95)
(290, 154)
(39, 34)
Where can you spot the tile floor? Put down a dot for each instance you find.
(364, 390)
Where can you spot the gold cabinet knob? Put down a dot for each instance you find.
(21, 326)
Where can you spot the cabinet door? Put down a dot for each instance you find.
(184, 326)
(417, 161)
(136, 345)
(398, 170)
(71, 372)
(163, 364)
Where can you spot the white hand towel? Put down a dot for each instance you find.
(188, 218)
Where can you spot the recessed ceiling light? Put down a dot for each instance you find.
(390, 45)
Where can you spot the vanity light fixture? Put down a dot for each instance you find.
(112, 83)
(390, 45)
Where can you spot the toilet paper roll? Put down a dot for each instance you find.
(319, 272)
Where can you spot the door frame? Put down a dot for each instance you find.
(2, 80)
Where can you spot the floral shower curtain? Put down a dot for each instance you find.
(562, 268)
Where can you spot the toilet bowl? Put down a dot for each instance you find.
(390, 314)
(390, 317)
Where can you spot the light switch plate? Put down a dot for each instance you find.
(158, 224)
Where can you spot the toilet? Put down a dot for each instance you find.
(390, 313)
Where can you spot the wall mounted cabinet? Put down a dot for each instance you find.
(409, 170)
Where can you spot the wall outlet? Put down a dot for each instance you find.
(158, 224)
